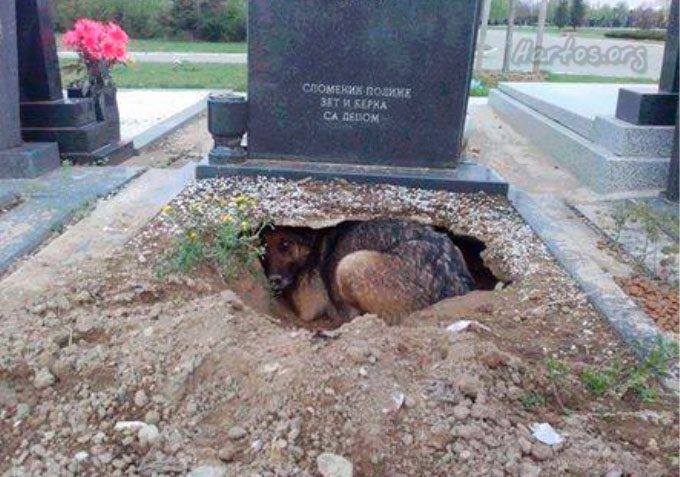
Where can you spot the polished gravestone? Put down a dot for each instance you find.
(17, 159)
(382, 82)
(356, 89)
(79, 125)
(658, 108)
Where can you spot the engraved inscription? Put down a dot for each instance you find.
(356, 103)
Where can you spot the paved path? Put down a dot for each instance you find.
(170, 57)
(653, 51)
(85, 245)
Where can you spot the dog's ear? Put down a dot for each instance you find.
(307, 237)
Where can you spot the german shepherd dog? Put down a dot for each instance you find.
(383, 266)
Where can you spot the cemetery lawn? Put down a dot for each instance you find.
(187, 75)
(583, 32)
(568, 78)
(157, 45)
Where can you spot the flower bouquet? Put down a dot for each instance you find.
(100, 47)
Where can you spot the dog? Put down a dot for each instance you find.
(382, 266)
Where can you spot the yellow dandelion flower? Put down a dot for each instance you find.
(243, 201)
(226, 218)
(167, 210)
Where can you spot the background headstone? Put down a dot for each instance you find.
(10, 132)
(38, 62)
(87, 129)
(673, 189)
(670, 66)
(360, 82)
(16, 158)
(656, 109)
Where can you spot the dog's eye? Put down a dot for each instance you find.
(285, 245)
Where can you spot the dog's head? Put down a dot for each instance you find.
(288, 252)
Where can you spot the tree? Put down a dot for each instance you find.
(577, 13)
(620, 15)
(543, 12)
(561, 14)
(498, 12)
(481, 41)
(508, 37)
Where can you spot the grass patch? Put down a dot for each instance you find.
(181, 46)
(640, 380)
(632, 34)
(479, 88)
(229, 245)
(184, 75)
(568, 78)
(481, 85)
(590, 32)
(186, 46)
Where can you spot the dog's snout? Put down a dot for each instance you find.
(277, 282)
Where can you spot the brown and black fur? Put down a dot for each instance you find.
(383, 266)
(291, 263)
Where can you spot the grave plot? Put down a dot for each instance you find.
(177, 358)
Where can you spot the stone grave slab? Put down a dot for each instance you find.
(49, 202)
(364, 91)
(17, 159)
(379, 83)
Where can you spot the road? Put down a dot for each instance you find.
(650, 52)
(170, 57)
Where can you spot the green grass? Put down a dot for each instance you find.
(186, 75)
(184, 46)
(218, 76)
(482, 89)
(569, 78)
(582, 32)
(652, 35)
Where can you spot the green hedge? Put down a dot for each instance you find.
(211, 20)
(637, 34)
(139, 18)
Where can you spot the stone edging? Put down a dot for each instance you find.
(628, 319)
(164, 128)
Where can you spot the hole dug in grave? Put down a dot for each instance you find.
(323, 277)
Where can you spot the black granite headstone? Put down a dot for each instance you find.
(673, 187)
(38, 62)
(656, 109)
(367, 91)
(10, 133)
(81, 127)
(668, 82)
(17, 160)
(380, 82)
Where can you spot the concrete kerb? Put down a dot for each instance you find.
(168, 126)
(629, 320)
(51, 202)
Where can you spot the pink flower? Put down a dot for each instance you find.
(70, 39)
(117, 34)
(96, 41)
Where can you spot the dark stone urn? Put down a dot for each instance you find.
(227, 122)
(106, 107)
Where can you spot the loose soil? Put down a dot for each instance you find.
(228, 385)
(189, 143)
(657, 298)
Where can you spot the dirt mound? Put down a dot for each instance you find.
(224, 383)
(126, 373)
